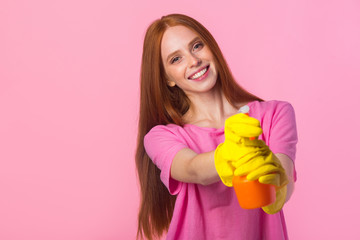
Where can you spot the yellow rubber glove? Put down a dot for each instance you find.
(273, 174)
(240, 156)
(261, 165)
(266, 168)
(237, 127)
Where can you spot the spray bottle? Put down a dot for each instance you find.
(252, 194)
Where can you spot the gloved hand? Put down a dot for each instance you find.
(237, 127)
(261, 164)
(266, 168)
(273, 174)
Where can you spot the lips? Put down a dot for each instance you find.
(199, 73)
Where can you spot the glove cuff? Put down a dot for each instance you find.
(279, 202)
(223, 168)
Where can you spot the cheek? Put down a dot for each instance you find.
(169, 75)
(168, 72)
(175, 73)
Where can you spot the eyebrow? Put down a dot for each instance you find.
(189, 45)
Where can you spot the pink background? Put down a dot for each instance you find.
(69, 90)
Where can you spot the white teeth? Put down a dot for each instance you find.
(199, 74)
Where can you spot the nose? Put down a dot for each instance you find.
(194, 61)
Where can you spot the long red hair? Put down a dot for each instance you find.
(161, 104)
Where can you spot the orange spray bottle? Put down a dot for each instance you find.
(252, 194)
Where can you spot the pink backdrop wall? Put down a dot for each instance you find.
(69, 88)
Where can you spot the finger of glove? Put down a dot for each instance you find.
(249, 153)
(242, 118)
(231, 136)
(236, 152)
(279, 202)
(231, 151)
(249, 166)
(273, 179)
(239, 122)
(259, 146)
(254, 143)
(243, 145)
(272, 159)
(261, 171)
(248, 156)
(244, 130)
(265, 170)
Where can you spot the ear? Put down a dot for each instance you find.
(171, 83)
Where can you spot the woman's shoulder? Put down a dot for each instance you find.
(164, 130)
(270, 106)
(186, 132)
(269, 103)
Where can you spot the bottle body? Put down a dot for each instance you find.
(253, 194)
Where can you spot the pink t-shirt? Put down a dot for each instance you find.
(213, 211)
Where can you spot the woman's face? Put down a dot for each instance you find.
(188, 62)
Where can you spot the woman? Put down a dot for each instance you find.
(191, 141)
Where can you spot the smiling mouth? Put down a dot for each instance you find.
(199, 74)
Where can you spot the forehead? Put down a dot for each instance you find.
(175, 38)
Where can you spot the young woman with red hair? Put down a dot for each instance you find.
(192, 142)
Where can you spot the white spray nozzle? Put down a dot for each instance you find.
(244, 109)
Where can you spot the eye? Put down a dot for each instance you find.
(174, 60)
(198, 46)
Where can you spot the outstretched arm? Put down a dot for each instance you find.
(190, 167)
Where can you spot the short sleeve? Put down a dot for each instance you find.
(161, 144)
(283, 133)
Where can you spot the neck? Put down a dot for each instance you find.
(209, 109)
